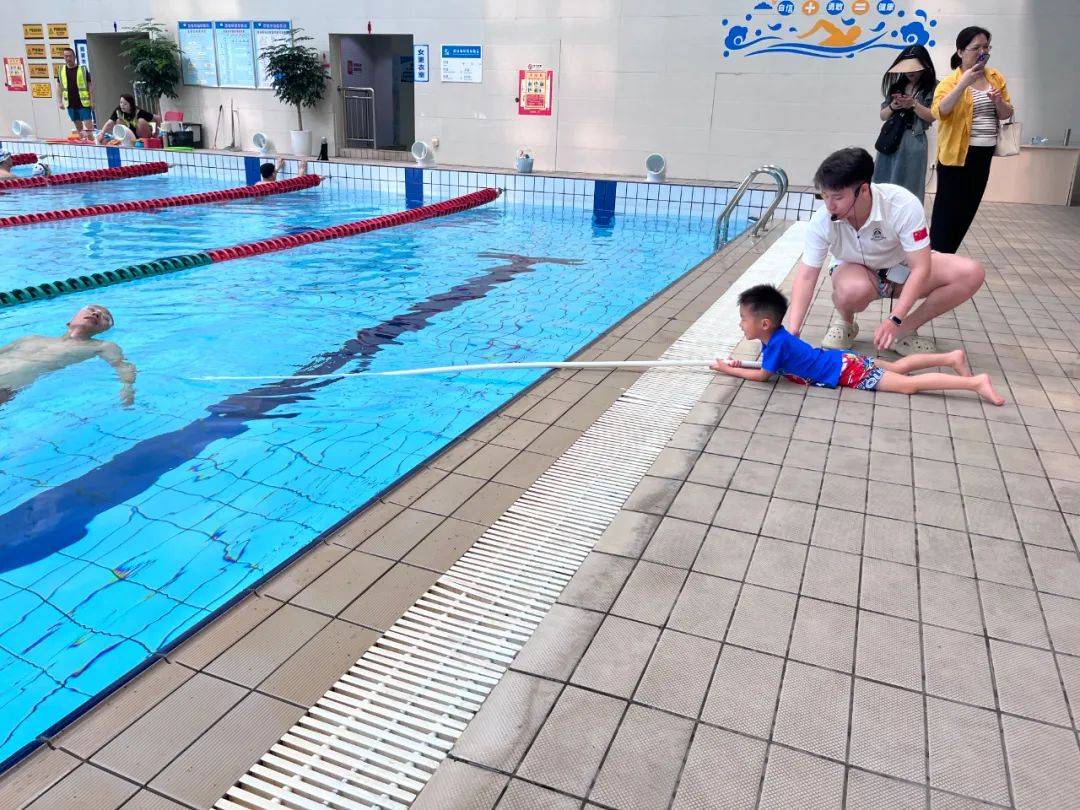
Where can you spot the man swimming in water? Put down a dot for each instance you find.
(7, 160)
(24, 361)
(268, 172)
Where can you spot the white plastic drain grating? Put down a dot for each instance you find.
(379, 733)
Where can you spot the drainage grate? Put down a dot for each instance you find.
(378, 734)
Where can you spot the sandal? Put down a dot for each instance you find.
(840, 336)
(914, 344)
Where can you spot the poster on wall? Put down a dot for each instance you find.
(36, 52)
(197, 49)
(41, 89)
(825, 29)
(421, 64)
(15, 74)
(33, 31)
(56, 50)
(39, 71)
(535, 91)
(235, 53)
(267, 33)
(58, 30)
(462, 63)
(82, 53)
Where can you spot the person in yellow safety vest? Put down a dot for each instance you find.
(77, 95)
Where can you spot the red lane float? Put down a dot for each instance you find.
(91, 176)
(245, 192)
(276, 243)
(23, 158)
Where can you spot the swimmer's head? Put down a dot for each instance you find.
(267, 170)
(91, 320)
(7, 160)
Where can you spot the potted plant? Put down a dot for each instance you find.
(155, 60)
(299, 79)
(524, 162)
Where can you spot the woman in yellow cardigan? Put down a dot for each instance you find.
(969, 102)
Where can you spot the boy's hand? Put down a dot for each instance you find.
(724, 365)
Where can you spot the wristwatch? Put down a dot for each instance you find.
(895, 320)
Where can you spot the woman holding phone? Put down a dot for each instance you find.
(908, 88)
(969, 103)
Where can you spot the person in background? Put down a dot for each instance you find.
(77, 95)
(269, 171)
(7, 162)
(908, 87)
(24, 361)
(128, 113)
(969, 103)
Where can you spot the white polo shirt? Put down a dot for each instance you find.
(896, 226)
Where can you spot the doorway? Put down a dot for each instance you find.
(109, 71)
(375, 106)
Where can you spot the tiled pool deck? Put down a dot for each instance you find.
(812, 598)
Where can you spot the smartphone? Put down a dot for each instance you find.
(982, 58)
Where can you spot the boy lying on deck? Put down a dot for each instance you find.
(762, 309)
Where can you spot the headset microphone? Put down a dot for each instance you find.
(835, 218)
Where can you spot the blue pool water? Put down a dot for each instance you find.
(124, 527)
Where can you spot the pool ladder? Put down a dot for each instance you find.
(723, 222)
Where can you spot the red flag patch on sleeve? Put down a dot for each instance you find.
(920, 234)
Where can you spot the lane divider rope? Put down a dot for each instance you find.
(439, 209)
(24, 158)
(40, 292)
(89, 176)
(224, 195)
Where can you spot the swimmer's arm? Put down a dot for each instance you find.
(9, 347)
(301, 169)
(114, 356)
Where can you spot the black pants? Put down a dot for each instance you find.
(959, 192)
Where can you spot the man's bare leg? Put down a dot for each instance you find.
(852, 290)
(953, 280)
(956, 360)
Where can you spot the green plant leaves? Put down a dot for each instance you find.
(155, 61)
(297, 73)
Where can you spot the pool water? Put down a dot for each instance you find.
(123, 527)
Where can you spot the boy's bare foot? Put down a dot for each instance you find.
(985, 390)
(958, 363)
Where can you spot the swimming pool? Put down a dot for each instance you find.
(135, 524)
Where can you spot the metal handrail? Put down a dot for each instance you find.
(723, 221)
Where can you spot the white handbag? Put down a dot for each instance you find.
(1009, 136)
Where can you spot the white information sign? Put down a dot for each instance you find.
(421, 63)
(462, 63)
(197, 48)
(267, 33)
(235, 58)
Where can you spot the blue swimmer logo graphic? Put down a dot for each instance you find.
(826, 29)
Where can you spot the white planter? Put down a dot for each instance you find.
(524, 165)
(301, 142)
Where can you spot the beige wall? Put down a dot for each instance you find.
(632, 76)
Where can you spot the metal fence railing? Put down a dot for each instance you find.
(359, 106)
